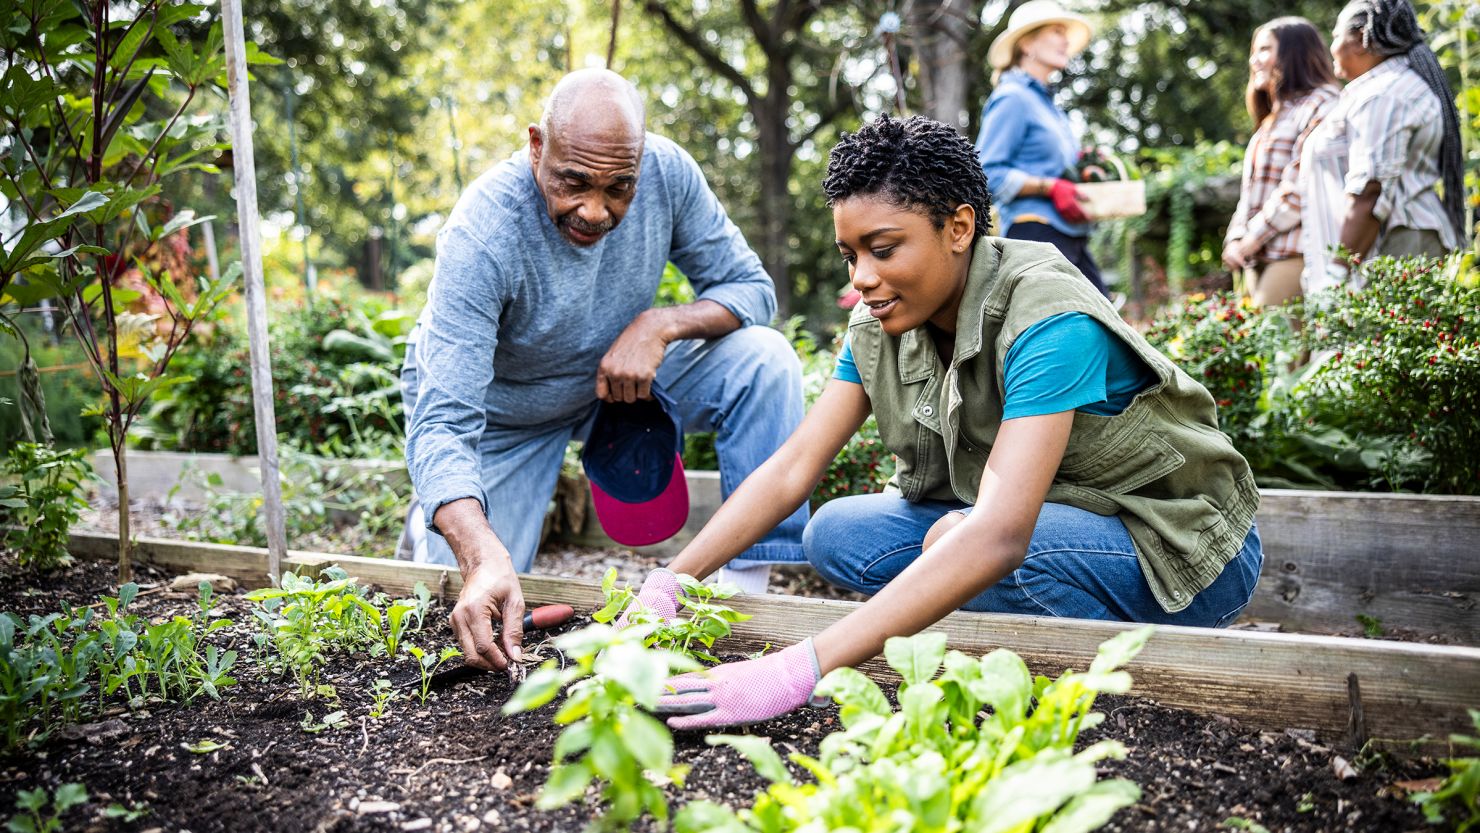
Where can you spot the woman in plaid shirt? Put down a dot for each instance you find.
(1291, 87)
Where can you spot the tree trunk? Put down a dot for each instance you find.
(372, 276)
(125, 539)
(941, 30)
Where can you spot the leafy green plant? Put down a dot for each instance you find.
(39, 812)
(305, 620)
(333, 720)
(613, 682)
(428, 664)
(46, 497)
(1371, 626)
(941, 762)
(1458, 798)
(98, 101)
(692, 637)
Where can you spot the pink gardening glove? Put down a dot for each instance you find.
(659, 593)
(1066, 201)
(743, 692)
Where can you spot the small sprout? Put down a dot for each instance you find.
(428, 664)
(332, 720)
(33, 816)
(126, 814)
(1371, 626)
(383, 693)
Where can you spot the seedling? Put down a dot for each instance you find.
(941, 761)
(34, 816)
(692, 637)
(610, 736)
(332, 720)
(429, 663)
(1458, 797)
(1371, 626)
(126, 814)
(383, 693)
(1241, 823)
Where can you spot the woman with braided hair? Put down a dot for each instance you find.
(1050, 461)
(1368, 171)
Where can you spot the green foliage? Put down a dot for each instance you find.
(1390, 398)
(942, 762)
(319, 494)
(381, 693)
(614, 681)
(305, 620)
(335, 383)
(1457, 800)
(49, 664)
(693, 637)
(38, 812)
(45, 494)
(67, 392)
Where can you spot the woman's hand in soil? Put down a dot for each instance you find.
(490, 593)
(659, 594)
(742, 692)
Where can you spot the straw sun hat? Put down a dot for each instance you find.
(1033, 15)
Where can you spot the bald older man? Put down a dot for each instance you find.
(541, 304)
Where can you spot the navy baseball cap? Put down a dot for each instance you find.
(633, 458)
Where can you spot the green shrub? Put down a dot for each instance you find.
(1406, 369)
(41, 495)
(1457, 799)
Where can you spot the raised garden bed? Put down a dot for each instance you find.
(1264, 703)
(457, 764)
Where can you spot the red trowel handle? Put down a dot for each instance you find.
(547, 616)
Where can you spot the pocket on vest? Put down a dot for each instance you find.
(1137, 458)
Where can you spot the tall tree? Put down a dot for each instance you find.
(780, 58)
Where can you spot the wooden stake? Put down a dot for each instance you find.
(251, 248)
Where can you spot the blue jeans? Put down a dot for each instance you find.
(1079, 564)
(746, 387)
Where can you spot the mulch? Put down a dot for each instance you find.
(457, 764)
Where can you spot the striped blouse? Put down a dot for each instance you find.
(1268, 213)
(1386, 126)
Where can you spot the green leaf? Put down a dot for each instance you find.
(1005, 685)
(69, 796)
(857, 694)
(648, 739)
(537, 689)
(707, 817)
(638, 670)
(759, 752)
(917, 657)
(205, 747)
(567, 782)
(1120, 649)
(1090, 810)
(1029, 790)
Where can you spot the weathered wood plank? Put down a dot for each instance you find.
(1412, 561)
(1268, 680)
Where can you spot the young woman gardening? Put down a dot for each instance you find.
(1051, 462)
(1291, 87)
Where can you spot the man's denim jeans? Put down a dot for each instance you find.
(746, 387)
(1078, 564)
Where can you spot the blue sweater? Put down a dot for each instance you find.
(518, 318)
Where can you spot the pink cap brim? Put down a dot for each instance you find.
(642, 524)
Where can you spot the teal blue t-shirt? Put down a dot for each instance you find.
(1065, 362)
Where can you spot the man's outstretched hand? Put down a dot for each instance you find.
(742, 692)
(490, 593)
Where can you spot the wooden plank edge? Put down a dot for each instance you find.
(1266, 680)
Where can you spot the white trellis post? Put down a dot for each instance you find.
(251, 249)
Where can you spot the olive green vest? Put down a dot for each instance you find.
(1186, 496)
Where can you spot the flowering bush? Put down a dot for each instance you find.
(1389, 399)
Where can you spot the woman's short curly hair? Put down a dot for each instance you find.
(918, 164)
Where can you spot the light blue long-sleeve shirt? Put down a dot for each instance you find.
(1024, 134)
(518, 318)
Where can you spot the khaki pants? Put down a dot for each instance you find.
(1273, 283)
(1402, 241)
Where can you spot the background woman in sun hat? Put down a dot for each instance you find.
(1026, 145)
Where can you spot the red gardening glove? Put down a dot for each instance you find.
(1066, 201)
(659, 593)
(742, 692)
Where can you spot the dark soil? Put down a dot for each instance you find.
(457, 764)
